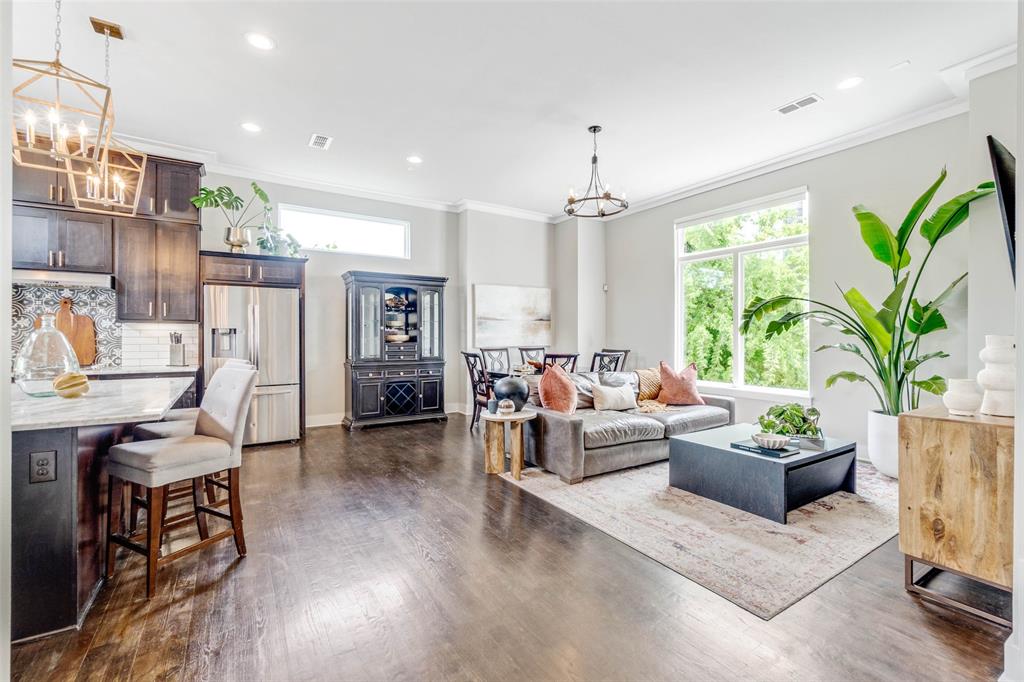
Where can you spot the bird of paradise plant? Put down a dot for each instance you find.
(887, 340)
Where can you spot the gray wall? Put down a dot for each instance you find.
(886, 175)
(990, 295)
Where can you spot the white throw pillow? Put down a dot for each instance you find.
(614, 397)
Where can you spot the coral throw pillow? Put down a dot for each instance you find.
(557, 391)
(679, 388)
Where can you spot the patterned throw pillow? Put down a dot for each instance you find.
(557, 391)
(650, 383)
(679, 388)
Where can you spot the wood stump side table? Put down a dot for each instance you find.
(494, 441)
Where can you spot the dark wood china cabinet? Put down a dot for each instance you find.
(394, 358)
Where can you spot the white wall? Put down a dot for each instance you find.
(990, 294)
(886, 175)
(434, 252)
(5, 346)
(580, 301)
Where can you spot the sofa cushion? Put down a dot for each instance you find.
(690, 418)
(649, 383)
(614, 397)
(679, 388)
(603, 429)
(557, 391)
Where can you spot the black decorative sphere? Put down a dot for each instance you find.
(514, 388)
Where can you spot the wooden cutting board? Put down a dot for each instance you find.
(80, 330)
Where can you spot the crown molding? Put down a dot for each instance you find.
(333, 188)
(855, 139)
(958, 77)
(497, 209)
(169, 149)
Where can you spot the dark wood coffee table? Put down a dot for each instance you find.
(703, 463)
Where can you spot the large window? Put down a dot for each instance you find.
(726, 259)
(320, 230)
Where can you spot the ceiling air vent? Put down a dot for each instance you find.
(317, 141)
(799, 104)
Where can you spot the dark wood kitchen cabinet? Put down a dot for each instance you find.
(37, 186)
(156, 270)
(176, 184)
(394, 366)
(135, 268)
(177, 271)
(50, 239)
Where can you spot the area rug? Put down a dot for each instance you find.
(761, 566)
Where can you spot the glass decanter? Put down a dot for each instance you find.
(45, 355)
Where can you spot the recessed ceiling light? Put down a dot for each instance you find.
(847, 83)
(250, 127)
(260, 41)
(414, 159)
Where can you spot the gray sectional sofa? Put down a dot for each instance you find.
(589, 442)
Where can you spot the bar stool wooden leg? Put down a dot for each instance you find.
(197, 501)
(115, 497)
(235, 505)
(133, 518)
(154, 530)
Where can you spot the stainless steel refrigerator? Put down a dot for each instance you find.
(259, 325)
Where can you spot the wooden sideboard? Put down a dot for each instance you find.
(956, 500)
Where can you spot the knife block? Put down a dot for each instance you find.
(176, 355)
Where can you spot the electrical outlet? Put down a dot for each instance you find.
(42, 466)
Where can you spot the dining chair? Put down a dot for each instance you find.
(215, 446)
(480, 384)
(607, 362)
(496, 360)
(531, 354)
(625, 354)
(566, 360)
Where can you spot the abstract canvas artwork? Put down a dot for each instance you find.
(511, 316)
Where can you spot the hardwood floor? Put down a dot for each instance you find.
(388, 554)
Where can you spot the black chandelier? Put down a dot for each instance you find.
(597, 201)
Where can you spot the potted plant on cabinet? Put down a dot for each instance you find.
(887, 339)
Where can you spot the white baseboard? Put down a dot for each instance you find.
(457, 408)
(330, 419)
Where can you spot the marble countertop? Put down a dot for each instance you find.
(145, 369)
(116, 401)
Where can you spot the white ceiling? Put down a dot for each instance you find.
(496, 97)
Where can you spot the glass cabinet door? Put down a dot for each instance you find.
(430, 324)
(370, 324)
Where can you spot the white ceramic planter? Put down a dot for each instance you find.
(999, 376)
(883, 443)
(962, 397)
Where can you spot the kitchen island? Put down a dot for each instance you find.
(59, 487)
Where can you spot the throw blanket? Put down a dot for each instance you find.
(646, 406)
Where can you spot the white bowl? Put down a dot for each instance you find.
(772, 441)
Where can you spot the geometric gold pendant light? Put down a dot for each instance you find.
(64, 122)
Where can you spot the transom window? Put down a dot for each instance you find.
(321, 230)
(725, 259)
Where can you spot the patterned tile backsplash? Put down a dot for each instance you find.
(118, 344)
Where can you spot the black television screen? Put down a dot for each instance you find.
(1004, 170)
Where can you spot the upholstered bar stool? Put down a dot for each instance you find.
(179, 422)
(215, 446)
(188, 414)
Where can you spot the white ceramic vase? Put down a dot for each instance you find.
(962, 397)
(999, 376)
(883, 442)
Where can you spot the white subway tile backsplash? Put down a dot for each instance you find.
(146, 343)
